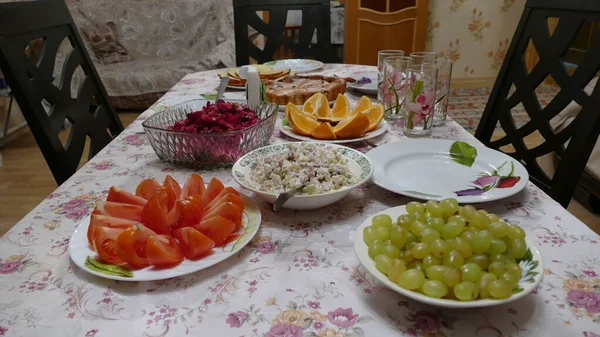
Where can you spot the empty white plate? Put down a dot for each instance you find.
(296, 65)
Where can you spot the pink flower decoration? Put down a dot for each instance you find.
(10, 267)
(427, 321)
(585, 299)
(236, 319)
(91, 333)
(486, 181)
(3, 330)
(343, 318)
(284, 330)
(314, 305)
(590, 273)
(266, 247)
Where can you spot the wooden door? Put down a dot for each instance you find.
(373, 25)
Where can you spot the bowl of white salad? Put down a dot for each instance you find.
(328, 172)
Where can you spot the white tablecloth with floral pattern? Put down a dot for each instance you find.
(299, 276)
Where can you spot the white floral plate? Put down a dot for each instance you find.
(435, 169)
(79, 250)
(369, 88)
(532, 266)
(381, 129)
(296, 65)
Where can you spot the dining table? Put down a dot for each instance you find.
(298, 277)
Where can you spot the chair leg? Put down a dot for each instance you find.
(6, 120)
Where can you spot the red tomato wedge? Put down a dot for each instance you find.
(215, 186)
(147, 188)
(173, 185)
(98, 220)
(105, 244)
(194, 185)
(190, 212)
(225, 191)
(122, 196)
(217, 228)
(171, 197)
(226, 198)
(229, 211)
(163, 251)
(195, 244)
(119, 210)
(155, 213)
(131, 245)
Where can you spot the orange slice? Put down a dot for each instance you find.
(363, 104)
(292, 107)
(375, 115)
(352, 126)
(318, 105)
(341, 107)
(301, 124)
(323, 131)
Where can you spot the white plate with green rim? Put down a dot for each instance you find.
(532, 267)
(79, 250)
(359, 165)
(296, 65)
(381, 129)
(435, 169)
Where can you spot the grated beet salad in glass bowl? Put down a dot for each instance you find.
(202, 133)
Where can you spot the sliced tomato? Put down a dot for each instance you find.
(229, 197)
(172, 184)
(163, 251)
(105, 244)
(98, 220)
(147, 188)
(131, 245)
(215, 186)
(119, 195)
(190, 212)
(194, 185)
(217, 228)
(225, 191)
(155, 213)
(229, 211)
(232, 190)
(171, 197)
(119, 210)
(195, 244)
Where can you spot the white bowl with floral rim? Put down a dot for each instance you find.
(358, 163)
(531, 265)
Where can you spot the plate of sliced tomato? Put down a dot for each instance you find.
(164, 230)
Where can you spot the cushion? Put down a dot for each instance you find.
(102, 38)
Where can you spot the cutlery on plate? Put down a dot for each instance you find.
(285, 196)
(222, 86)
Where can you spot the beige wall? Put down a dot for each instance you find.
(475, 34)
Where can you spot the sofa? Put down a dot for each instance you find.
(141, 48)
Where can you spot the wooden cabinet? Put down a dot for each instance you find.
(373, 25)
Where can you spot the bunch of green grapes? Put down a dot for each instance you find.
(446, 251)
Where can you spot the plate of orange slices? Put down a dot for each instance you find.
(316, 121)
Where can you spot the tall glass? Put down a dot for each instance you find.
(440, 108)
(393, 88)
(417, 58)
(420, 99)
(381, 55)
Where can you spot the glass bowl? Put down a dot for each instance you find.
(206, 149)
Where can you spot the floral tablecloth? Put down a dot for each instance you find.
(299, 277)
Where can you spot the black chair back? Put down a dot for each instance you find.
(46, 105)
(315, 16)
(582, 133)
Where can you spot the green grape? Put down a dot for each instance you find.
(482, 211)
(493, 217)
(515, 232)
(410, 237)
(391, 251)
(480, 259)
(486, 279)
(496, 268)
(376, 248)
(415, 207)
(449, 208)
(451, 277)
(454, 259)
(436, 223)
(462, 246)
(472, 229)
(435, 289)
(498, 229)
(518, 248)
(398, 236)
(507, 240)
(382, 220)
(452, 230)
(467, 211)
(434, 209)
(497, 258)
(369, 235)
(499, 289)
(514, 269)
(382, 263)
(436, 272)
(428, 235)
(450, 295)
(429, 261)
(421, 250)
(404, 221)
(427, 216)
(396, 268)
(471, 272)
(407, 256)
(467, 236)
(481, 241)
(510, 279)
(416, 227)
(452, 201)
(496, 247)
(382, 233)
(479, 220)
(465, 291)
(415, 264)
(416, 217)
(439, 248)
(410, 245)
(411, 279)
(458, 218)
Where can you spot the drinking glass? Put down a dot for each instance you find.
(417, 58)
(420, 99)
(440, 108)
(393, 85)
(381, 55)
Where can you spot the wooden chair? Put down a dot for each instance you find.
(89, 113)
(373, 25)
(582, 133)
(315, 16)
